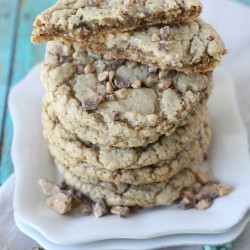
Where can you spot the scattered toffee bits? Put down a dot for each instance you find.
(165, 32)
(117, 63)
(92, 103)
(115, 115)
(203, 192)
(163, 47)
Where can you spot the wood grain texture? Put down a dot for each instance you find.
(25, 55)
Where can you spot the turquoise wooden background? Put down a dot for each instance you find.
(17, 57)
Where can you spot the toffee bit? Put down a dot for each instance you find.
(103, 76)
(151, 79)
(85, 209)
(64, 59)
(128, 2)
(165, 32)
(136, 84)
(110, 97)
(203, 204)
(122, 85)
(163, 47)
(100, 209)
(115, 115)
(186, 203)
(80, 69)
(155, 38)
(121, 94)
(163, 73)
(92, 103)
(123, 212)
(109, 88)
(60, 202)
(48, 188)
(117, 63)
(91, 3)
(89, 69)
(203, 177)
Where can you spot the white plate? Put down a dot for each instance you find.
(146, 244)
(228, 159)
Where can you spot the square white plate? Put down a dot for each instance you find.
(228, 160)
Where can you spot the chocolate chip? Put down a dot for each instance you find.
(163, 47)
(117, 63)
(115, 115)
(92, 103)
(110, 97)
(122, 85)
(165, 32)
(64, 59)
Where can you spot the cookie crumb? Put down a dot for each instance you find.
(123, 212)
(92, 103)
(224, 189)
(100, 209)
(165, 32)
(186, 203)
(164, 85)
(203, 177)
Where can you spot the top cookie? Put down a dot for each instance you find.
(72, 19)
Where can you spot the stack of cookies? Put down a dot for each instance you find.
(126, 83)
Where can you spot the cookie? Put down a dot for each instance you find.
(148, 195)
(112, 158)
(190, 157)
(80, 83)
(84, 18)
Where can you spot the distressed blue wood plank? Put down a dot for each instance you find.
(8, 19)
(26, 56)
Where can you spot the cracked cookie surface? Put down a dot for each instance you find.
(146, 102)
(187, 47)
(72, 19)
(113, 158)
(148, 195)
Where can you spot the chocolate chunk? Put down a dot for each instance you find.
(165, 32)
(163, 47)
(117, 63)
(122, 85)
(92, 103)
(115, 115)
